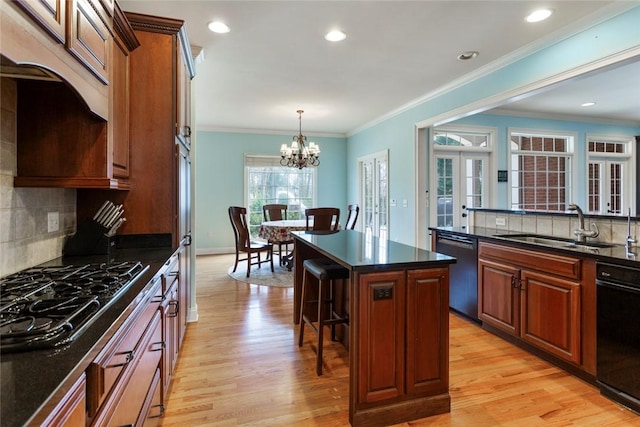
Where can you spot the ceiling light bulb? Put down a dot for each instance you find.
(539, 15)
(335, 36)
(218, 27)
(589, 104)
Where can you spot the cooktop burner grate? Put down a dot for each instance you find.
(45, 307)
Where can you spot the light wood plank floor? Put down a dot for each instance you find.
(240, 365)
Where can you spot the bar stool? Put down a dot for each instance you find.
(327, 272)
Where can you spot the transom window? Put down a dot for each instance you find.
(458, 138)
(540, 171)
(266, 182)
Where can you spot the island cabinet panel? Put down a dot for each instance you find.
(427, 331)
(381, 339)
(535, 296)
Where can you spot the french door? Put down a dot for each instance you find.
(461, 181)
(607, 187)
(374, 194)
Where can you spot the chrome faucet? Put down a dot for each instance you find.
(580, 233)
(630, 240)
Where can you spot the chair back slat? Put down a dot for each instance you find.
(352, 217)
(324, 219)
(274, 212)
(238, 217)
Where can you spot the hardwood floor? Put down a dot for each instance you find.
(240, 365)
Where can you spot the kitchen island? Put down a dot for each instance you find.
(397, 301)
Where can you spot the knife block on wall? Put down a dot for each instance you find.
(90, 239)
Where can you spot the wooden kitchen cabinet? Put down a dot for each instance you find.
(535, 296)
(89, 37)
(61, 142)
(120, 376)
(50, 15)
(402, 313)
(71, 411)
(171, 312)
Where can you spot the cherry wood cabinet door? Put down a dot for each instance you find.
(427, 331)
(380, 339)
(49, 14)
(89, 39)
(551, 314)
(71, 411)
(499, 295)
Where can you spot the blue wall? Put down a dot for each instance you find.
(219, 177)
(398, 133)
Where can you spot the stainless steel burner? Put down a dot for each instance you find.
(50, 306)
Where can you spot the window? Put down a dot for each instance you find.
(609, 169)
(540, 171)
(266, 181)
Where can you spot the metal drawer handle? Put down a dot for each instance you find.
(175, 304)
(161, 407)
(128, 359)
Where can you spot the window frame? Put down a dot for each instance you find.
(261, 161)
(626, 158)
(570, 154)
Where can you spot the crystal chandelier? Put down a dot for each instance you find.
(299, 155)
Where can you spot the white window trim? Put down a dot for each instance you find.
(492, 131)
(271, 161)
(628, 157)
(571, 145)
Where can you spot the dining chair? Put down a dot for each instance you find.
(322, 219)
(278, 212)
(274, 212)
(352, 216)
(238, 217)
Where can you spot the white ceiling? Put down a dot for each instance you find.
(276, 61)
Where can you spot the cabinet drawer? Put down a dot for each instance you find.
(110, 365)
(127, 405)
(548, 262)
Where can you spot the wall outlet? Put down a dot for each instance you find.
(53, 222)
(501, 221)
(393, 203)
(405, 203)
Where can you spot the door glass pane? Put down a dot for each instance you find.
(474, 174)
(382, 200)
(594, 187)
(367, 190)
(615, 189)
(444, 195)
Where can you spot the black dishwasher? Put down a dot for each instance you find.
(463, 275)
(618, 333)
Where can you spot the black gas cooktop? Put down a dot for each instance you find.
(46, 307)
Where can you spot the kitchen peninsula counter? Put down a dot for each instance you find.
(397, 300)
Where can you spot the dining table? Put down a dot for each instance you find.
(279, 232)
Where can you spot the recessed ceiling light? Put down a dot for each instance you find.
(470, 54)
(218, 27)
(588, 104)
(335, 36)
(539, 15)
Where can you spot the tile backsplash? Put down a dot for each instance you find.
(24, 239)
(611, 230)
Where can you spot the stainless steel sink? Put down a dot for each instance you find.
(558, 242)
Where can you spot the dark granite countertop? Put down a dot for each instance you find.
(32, 379)
(616, 254)
(362, 252)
